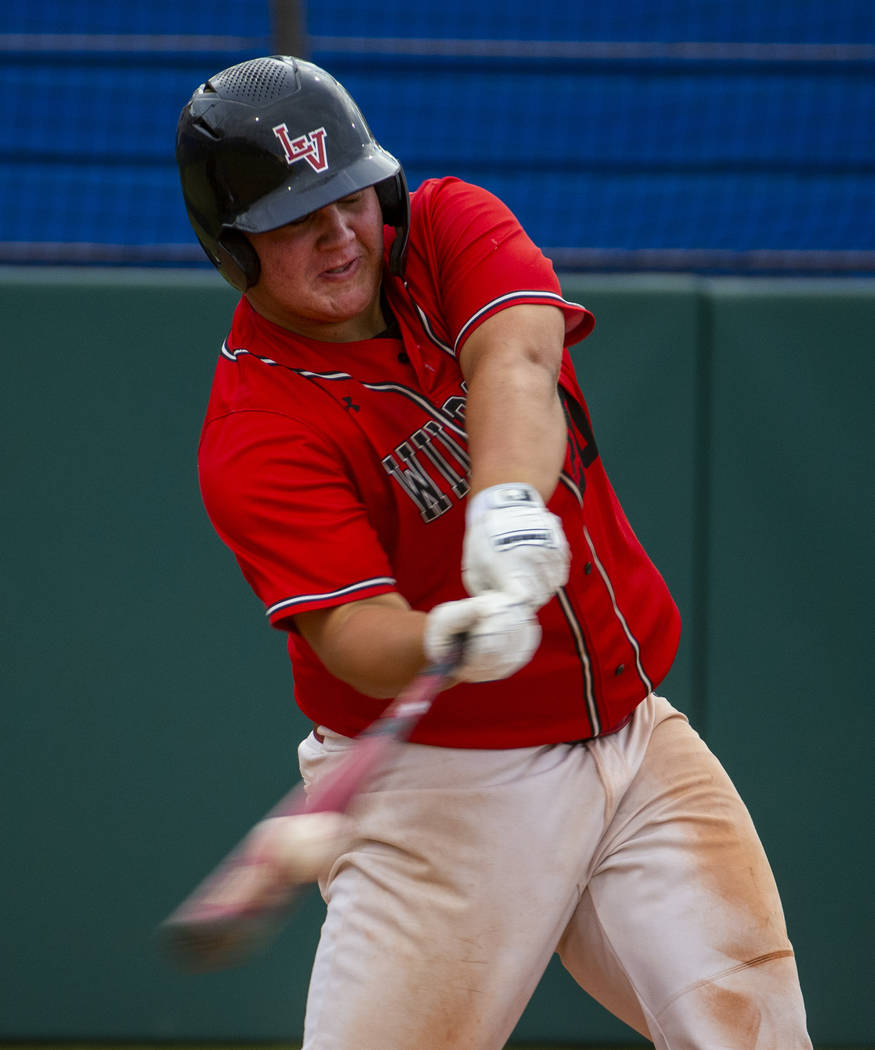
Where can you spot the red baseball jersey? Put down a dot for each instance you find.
(339, 471)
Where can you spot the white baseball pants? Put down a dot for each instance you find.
(632, 856)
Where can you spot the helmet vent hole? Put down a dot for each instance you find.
(259, 81)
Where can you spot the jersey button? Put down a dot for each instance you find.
(404, 357)
(619, 669)
(588, 568)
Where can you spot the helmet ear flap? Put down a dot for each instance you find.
(395, 204)
(392, 194)
(238, 261)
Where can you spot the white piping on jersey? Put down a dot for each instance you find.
(550, 297)
(424, 403)
(633, 641)
(570, 483)
(287, 603)
(426, 324)
(232, 355)
(396, 388)
(580, 645)
(648, 685)
(509, 297)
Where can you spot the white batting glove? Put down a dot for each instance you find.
(514, 544)
(501, 635)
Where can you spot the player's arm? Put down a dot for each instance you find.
(373, 645)
(377, 645)
(514, 419)
(517, 441)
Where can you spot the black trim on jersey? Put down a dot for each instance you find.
(576, 628)
(581, 440)
(506, 300)
(231, 355)
(525, 295)
(391, 388)
(603, 573)
(341, 592)
(426, 325)
(388, 388)
(570, 483)
(630, 637)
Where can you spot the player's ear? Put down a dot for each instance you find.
(238, 260)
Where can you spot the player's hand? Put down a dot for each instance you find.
(501, 635)
(514, 544)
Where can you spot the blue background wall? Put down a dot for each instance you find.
(710, 136)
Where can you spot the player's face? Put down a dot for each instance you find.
(320, 275)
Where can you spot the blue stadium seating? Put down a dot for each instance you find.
(698, 135)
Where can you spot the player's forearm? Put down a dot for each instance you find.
(375, 646)
(514, 419)
(516, 427)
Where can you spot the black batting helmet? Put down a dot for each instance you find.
(271, 140)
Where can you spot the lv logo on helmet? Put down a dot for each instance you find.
(309, 147)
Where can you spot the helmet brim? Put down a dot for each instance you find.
(289, 202)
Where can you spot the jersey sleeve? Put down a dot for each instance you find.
(278, 495)
(485, 261)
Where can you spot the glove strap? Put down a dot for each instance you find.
(505, 495)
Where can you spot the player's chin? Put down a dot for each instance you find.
(350, 305)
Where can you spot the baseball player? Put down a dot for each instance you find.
(398, 453)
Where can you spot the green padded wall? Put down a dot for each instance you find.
(151, 711)
(789, 602)
(148, 708)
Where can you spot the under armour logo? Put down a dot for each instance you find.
(309, 147)
(350, 404)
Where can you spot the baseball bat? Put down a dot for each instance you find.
(241, 905)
